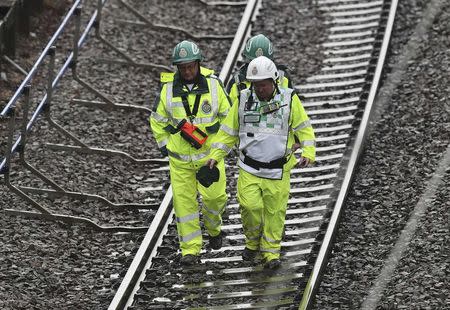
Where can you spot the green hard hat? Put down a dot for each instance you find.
(256, 46)
(186, 51)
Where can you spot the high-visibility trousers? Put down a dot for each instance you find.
(185, 189)
(263, 204)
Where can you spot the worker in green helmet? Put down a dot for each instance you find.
(263, 125)
(191, 105)
(258, 45)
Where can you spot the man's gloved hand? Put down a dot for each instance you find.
(163, 151)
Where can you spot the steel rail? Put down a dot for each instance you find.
(322, 258)
(340, 110)
(74, 11)
(40, 60)
(136, 272)
(43, 107)
(223, 280)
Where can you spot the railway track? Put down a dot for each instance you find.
(338, 101)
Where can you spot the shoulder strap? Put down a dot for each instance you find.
(189, 113)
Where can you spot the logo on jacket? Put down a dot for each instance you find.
(206, 107)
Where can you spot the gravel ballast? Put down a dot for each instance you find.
(402, 153)
(48, 265)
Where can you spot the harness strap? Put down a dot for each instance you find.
(189, 113)
(170, 129)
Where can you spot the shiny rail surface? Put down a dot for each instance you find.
(339, 102)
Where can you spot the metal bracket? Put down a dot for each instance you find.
(145, 22)
(76, 220)
(224, 3)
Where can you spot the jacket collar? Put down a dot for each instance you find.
(200, 86)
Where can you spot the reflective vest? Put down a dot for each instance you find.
(265, 140)
(263, 137)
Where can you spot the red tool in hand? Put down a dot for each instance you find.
(192, 134)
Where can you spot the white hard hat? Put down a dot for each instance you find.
(261, 68)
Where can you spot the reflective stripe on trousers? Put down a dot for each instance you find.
(263, 203)
(185, 189)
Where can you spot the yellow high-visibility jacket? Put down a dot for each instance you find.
(169, 112)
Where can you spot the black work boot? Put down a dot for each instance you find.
(189, 260)
(248, 254)
(215, 243)
(272, 264)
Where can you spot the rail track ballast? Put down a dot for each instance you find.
(339, 102)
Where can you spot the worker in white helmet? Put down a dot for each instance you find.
(264, 126)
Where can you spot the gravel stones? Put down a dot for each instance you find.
(401, 155)
(52, 265)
